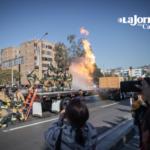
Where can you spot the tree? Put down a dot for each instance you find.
(97, 73)
(120, 74)
(60, 55)
(112, 72)
(76, 50)
(131, 70)
(5, 76)
(144, 71)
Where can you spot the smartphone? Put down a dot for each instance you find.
(129, 86)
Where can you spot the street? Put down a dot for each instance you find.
(30, 134)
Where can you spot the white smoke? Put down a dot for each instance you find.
(79, 81)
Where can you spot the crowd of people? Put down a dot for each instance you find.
(79, 134)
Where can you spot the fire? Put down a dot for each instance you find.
(84, 31)
(85, 66)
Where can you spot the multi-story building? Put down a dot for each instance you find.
(27, 57)
(127, 72)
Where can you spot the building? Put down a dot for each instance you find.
(126, 72)
(26, 54)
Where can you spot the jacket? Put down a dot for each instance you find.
(3, 101)
(68, 137)
(34, 75)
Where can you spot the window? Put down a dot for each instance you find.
(35, 58)
(16, 56)
(49, 47)
(43, 52)
(20, 86)
(35, 51)
(35, 44)
(16, 51)
(43, 46)
(46, 59)
(46, 52)
(45, 65)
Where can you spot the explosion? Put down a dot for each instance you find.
(84, 68)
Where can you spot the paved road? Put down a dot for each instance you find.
(30, 135)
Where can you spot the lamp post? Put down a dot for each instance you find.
(104, 67)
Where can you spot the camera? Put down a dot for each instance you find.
(129, 86)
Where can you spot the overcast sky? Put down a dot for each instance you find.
(118, 44)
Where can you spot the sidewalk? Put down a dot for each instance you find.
(131, 145)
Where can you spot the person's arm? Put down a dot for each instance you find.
(4, 98)
(51, 135)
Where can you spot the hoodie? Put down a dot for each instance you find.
(68, 136)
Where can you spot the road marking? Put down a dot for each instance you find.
(109, 105)
(29, 125)
(48, 120)
(111, 130)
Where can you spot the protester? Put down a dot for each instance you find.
(146, 131)
(137, 112)
(77, 134)
(80, 92)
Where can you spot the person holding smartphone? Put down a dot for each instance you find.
(77, 134)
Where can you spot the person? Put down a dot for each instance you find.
(68, 78)
(80, 92)
(146, 131)
(59, 78)
(137, 112)
(49, 80)
(32, 76)
(77, 134)
(18, 97)
(3, 107)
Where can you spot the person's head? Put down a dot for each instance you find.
(135, 97)
(36, 68)
(80, 92)
(77, 115)
(146, 130)
(3, 87)
(14, 88)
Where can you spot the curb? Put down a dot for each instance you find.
(118, 138)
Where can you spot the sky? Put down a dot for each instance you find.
(114, 44)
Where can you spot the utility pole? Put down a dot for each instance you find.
(12, 79)
(104, 68)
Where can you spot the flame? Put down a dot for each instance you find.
(82, 30)
(85, 65)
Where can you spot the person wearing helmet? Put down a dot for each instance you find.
(19, 98)
(32, 76)
(68, 78)
(59, 78)
(49, 79)
(137, 110)
(3, 106)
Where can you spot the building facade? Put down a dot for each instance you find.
(26, 56)
(126, 72)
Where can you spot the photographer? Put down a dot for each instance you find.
(77, 134)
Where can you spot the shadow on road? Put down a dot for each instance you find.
(124, 110)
